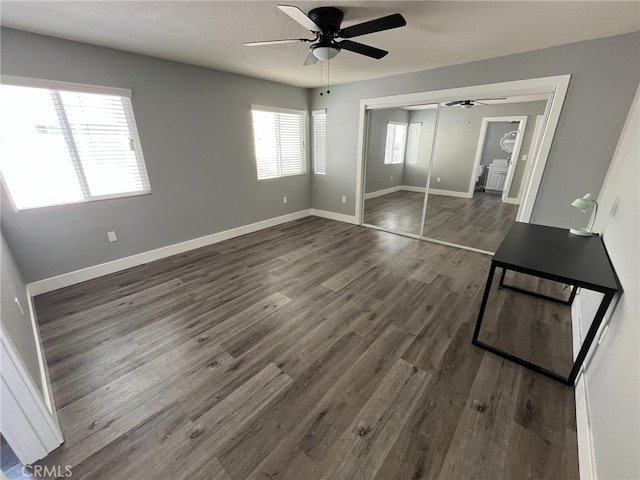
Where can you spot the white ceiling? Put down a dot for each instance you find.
(212, 33)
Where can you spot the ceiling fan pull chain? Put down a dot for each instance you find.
(328, 76)
(321, 93)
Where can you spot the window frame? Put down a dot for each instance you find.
(303, 147)
(45, 84)
(404, 144)
(314, 114)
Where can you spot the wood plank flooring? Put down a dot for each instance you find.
(312, 350)
(480, 222)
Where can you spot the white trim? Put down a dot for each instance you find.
(42, 361)
(411, 188)
(25, 421)
(58, 85)
(89, 273)
(533, 149)
(515, 157)
(586, 457)
(450, 193)
(556, 85)
(340, 217)
(552, 118)
(397, 188)
(456, 245)
(319, 111)
(380, 193)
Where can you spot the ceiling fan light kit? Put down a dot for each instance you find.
(324, 52)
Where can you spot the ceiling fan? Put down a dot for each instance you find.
(470, 103)
(324, 24)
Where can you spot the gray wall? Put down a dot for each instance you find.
(16, 323)
(378, 175)
(415, 175)
(458, 136)
(605, 74)
(195, 131)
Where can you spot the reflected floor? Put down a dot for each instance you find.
(398, 211)
(480, 222)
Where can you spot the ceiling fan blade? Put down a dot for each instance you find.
(453, 104)
(362, 49)
(311, 60)
(378, 25)
(300, 17)
(276, 42)
(485, 99)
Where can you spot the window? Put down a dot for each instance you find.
(413, 142)
(320, 142)
(65, 143)
(394, 149)
(279, 140)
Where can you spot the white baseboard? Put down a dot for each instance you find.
(397, 188)
(411, 188)
(89, 273)
(583, 424)
(450, 193)
(511, 200)
(334, 216)
(380, 193)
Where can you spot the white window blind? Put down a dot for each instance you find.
(61, 146)
(413, 142)
(395, 144)
(279, 141)
(320, 141)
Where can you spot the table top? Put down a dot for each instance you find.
(554, 252)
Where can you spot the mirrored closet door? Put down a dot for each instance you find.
(479, 169)
(454, 172)
(398, 157)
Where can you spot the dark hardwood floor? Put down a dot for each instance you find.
(311, 350)
(479, 222)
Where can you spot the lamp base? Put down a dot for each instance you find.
(581, 232)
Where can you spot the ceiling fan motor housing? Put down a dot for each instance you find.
(328, 19)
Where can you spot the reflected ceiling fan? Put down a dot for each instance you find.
(470, 103)
(324, 25)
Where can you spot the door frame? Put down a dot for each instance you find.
(555, 86)
(533, 149)
(522, 124)
(30, 428)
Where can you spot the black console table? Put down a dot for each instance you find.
(554, 254)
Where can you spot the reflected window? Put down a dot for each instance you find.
(396, 141)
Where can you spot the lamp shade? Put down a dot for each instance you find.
(583, 203)
(325, 53)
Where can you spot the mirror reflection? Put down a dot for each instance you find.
(399, 144)
(481, 165)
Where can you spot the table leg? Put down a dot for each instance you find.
(504, 272)
(487, 288)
